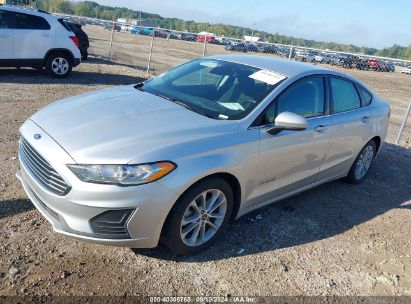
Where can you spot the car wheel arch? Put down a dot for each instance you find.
(229, 178)
(66, 51)
(377, 141)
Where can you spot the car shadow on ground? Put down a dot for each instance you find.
(12, 207)
(32, 76)
(314, 215)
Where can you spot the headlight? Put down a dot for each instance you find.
(125, 175)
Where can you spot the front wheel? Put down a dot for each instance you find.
(59, 65)
(198, 217)
(362, 164)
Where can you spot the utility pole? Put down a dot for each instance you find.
(252, 31)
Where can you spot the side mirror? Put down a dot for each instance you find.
(288, 121)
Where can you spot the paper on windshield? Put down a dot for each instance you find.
(267, 76)
(235, 106)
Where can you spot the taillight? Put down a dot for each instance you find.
(75, 40)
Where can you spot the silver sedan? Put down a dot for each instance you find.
(180, 155)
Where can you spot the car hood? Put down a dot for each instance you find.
(123, 125)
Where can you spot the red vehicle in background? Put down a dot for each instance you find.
(201, 37)
(373, 64)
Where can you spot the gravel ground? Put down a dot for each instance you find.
(337, 239)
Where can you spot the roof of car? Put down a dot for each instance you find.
(286, 67)
(31, 11)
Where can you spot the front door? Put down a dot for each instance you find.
(290, 160)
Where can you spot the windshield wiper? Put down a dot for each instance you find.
(188, 107)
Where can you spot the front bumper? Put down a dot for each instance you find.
(72, 213)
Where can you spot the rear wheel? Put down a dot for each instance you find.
(198, 217)
(59, 65)
(362, 164)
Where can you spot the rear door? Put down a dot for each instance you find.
(350, 127)
(6, 37)
(33, 36)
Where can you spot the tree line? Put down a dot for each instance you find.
(95, 10)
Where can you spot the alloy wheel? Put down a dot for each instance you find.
(203, 217)
(364, 162)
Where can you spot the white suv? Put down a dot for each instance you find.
(30, 38)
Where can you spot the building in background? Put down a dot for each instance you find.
(136, 22)
(251, 38)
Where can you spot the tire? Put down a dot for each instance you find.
(177, 236)
(84, 55)
(65, 68)
(354, 176)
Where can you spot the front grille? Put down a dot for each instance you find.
(50, 211)
(42, 170)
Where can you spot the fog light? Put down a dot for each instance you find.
(112, 224)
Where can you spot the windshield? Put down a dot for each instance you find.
(215, 88)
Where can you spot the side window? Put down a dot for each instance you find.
(344, 95)
(304, 97)
(5, 20)
(365, 97)
(29, 22)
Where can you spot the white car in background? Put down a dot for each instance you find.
(406, 70)
(31, 38)
(304, 56)
(319, 58)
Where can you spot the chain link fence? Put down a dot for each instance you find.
(156, 50)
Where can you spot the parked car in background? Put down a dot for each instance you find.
(82, 38)
(406, 70)
(236, 47)
(266, 48)
(304, 56)
(188, 37)
(390, 66)
(205, 37)
(319, 58)
(30, 38)
(373, 64)
(251, 47)
(360, 63)
(382, 66)
(135, 31)
(284, 52)
(251, 131)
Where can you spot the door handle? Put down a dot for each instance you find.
(320, 129)
(46, 35)
(5, 36)
(365, 119)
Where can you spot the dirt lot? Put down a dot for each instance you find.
(338, 239)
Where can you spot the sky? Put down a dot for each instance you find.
(370, 23)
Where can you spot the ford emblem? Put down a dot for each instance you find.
(37, 136)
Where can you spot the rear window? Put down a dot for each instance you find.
(365, 97)
(29, 22)
(63, 23)
(345, 96)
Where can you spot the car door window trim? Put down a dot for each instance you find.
(257, 122)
